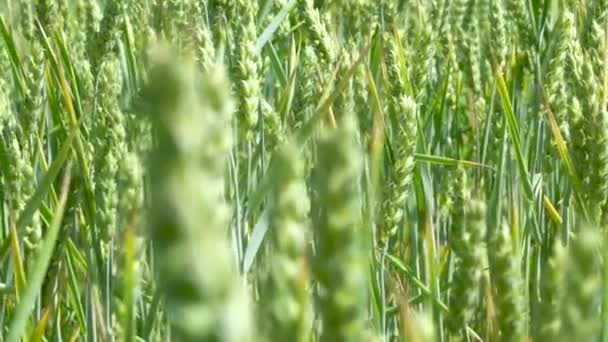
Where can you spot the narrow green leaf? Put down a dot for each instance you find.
(439, 160)
(507, 108)
(257, 237)
(274, 24)
(36, 276)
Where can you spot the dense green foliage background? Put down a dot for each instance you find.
(348, 170)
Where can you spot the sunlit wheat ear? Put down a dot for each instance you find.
(421, 60)
(345, 103)
(173, 19)
(274, 134)
(33, 106)
(595, 126)
(310, 88)
(87, 16)
(285, 298)
(401, 110)
(598, 184)
(27, 19)
(588, 134)
(202, 44)
(496, 39)
(558, 87)
(458, 16)
(358, 18)
(362, 102)
(189, 218)
(339, 265)
(506, 276)
(52, 15)
(131, 189)
(20, 178)
(105, 38)
(520, 23)
(141, 20)
(248, 86)
(595, 40)
(109, 146)
(317, 30)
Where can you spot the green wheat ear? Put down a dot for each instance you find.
(519, 16)
(505, 270)
(248, 87)
(52, 15)
(339, 264)
(582, 287)
(19, 179)
(105, 39)
(496, 40)
(468, 243)
(109, 147)
(189, 216)
(558, 86)
(401, 110)
(318, 32)
(285, 301)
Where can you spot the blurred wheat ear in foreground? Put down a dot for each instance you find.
(189, 214)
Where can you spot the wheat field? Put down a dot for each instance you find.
(303, 170)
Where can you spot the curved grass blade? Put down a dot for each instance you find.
(257, 237)
(507, 108)
(38, 333)
(553, 213)
(564, 155)
(417, 282)
(272, 27)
